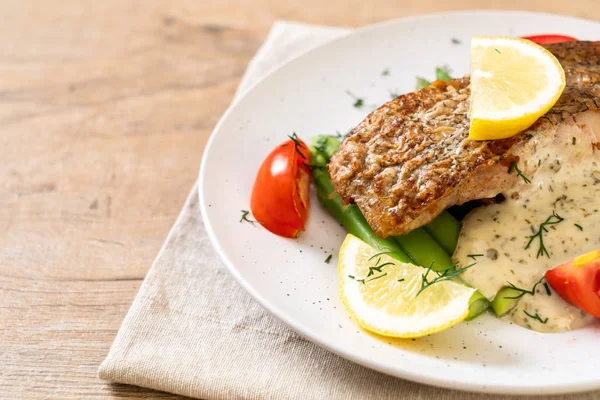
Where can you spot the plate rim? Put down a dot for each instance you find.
(274, 310)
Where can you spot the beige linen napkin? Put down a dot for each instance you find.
(192, 330)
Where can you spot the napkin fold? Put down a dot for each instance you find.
(192, 330)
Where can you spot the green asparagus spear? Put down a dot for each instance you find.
(444, 229)
(478, 303)
(424, 250)
(505, 300)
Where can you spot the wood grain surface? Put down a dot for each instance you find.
(105, 108)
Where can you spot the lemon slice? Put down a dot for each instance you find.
(380, 293)
(513, 83)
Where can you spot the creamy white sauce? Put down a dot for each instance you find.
(567, 183)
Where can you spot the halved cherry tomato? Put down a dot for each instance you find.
(578, 282)
(547, 39)
(280, 197)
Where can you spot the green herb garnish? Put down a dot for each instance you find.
(446, 275)
(522, 291)
(579, 227)
(422, 83)
(497, 51)
(455, 41)
(393, 94)
(551, 220)
(474, 256)
(401, 280)
(515, 167)
(358, 101)
(328, 259)
(385, 72)
(297, 144)
(443, 74)
(548, 292)
(536, 316)
(377, 277)
(245, 217)
(378, 268)
(380, 254)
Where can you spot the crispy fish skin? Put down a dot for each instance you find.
(411, 158)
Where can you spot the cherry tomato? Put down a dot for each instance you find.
(578, 282)
(280, 197)
(547, 39)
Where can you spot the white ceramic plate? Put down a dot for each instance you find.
(290, 278)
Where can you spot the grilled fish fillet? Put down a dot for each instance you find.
(411, 158)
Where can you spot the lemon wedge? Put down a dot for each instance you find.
(513, 83)
(380, 293)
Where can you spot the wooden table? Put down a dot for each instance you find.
(105, 108)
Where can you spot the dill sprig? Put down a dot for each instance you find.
(365, 280)
(377, 268)
(328, 259)
(359, 102)
(548, 292)
(474, 256)
(579, 227)
(551, 220)
(380, 254)
(445, 275)
(536, 317)
(377, 277)
(297, 144)
(245, 217)
(515, 167)
(523, 292)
